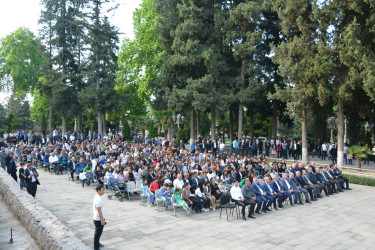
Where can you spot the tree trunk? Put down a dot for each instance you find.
(63, 117)
(275, 106)
(305, 156)
(192, 126)
(359, 163)
(340, 133)
(198, 124)
(251, 116)
(100, 123)
(213, 122)
(230, 125)
(80, 123)
(50, 113)
(240, 120)
(170, 133)
(104, 124)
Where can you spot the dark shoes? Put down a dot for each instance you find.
(300, 202)
(250, 216)
(243, 217)
(308, 201)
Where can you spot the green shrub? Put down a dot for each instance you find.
(362, 180)
(126, 132)
(2, 131)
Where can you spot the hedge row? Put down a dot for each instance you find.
(362, 180)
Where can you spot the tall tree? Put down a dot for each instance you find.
(102, 39)
(20, 61)
(299, 61)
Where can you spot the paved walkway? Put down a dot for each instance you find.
(21, 238)
(344, 221)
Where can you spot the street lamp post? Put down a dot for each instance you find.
(179, 119)
(331, 122)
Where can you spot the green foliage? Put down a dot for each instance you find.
(20, 61)
(182, 134)
(152, 130)
(139, 60)
(2, 131)
(126, 132)
(3, 117)
(361, 180)
(39, 109)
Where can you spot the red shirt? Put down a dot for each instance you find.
(154, 186)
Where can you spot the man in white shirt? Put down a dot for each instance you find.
(238, 198)
(53, 161)
(98, 215)
(178, 182)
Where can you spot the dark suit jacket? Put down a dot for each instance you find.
(300, 181)
(266, 188)
(294, 183)
(13, 167)
(27, 174)
(275, 187)
(283, 185)
(257, 190)
(312, 178)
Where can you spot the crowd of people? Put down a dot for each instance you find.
(197, 178)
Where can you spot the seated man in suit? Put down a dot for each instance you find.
(323, 182)
(279, 191)
(331, 180)
(295, 186)
(271, 194)
(315, 188)
(337, 172)
(303, 184)
(314, 181)
(251, 198)
(261, 194)
(287, 186)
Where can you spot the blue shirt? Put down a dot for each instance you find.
(235, 144)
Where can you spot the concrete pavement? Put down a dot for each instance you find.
(343, 221)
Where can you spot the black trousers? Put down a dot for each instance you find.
(252, 204)
(242, 204)
(197, 203)
(31, 188)
(14, 175)
(98, 233)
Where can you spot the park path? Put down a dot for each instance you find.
(343, 221)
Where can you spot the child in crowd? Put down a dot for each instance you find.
(222, 187)
(82, 178)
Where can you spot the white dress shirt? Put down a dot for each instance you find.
(236, 193)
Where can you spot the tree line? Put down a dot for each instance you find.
(231, 68)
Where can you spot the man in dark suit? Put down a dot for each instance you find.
(251, 198)
(261, 194)
(337, 172)
(323, 182)
(316, 189)
(214, 147)
(280, 192)
(32, 180)
(331, 180)
(193, 180)
(13, 167)
(315, 181)
(271, 194)
(287, 186)
(298, 186)
(303, 184)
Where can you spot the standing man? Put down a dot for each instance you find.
(98, 215)
(32, 180)
(3, 155)
(13, 168)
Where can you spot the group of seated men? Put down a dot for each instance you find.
(279, 189)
